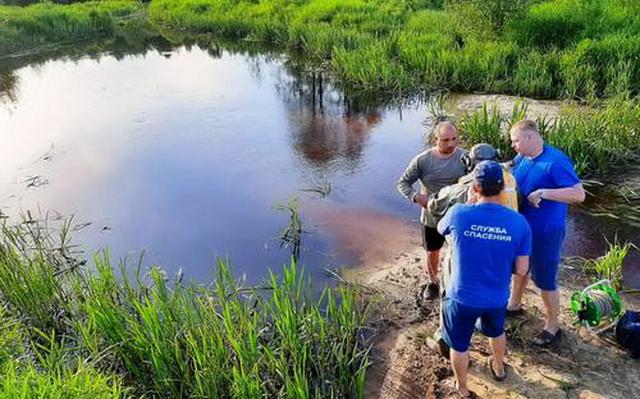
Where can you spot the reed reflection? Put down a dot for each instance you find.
(8, 87)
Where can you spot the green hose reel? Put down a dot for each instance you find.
(595, 303)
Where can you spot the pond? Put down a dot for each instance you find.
(185, 153)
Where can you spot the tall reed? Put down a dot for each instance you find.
(609, 266)
(597, 140)
(170, 338)
(556, 48)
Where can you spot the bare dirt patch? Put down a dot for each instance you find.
(581, 365)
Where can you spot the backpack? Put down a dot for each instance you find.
(628, 332)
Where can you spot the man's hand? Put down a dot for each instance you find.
(421, 199)
(535, 197)
(472, 196)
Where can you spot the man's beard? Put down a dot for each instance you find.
(448, 150)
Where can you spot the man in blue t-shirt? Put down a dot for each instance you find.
(490, 242)
(547, 182)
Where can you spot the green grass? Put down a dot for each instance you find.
(83, 382)
(45, 24)
(597, 139)
(609, 266)
(40, 366)
(561, 48)
(577, 49)
(90, 331)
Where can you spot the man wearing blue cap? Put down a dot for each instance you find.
(490, 242)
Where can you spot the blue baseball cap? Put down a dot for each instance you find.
(488, 173)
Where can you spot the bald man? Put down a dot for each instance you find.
(435, 168)
(547, 183)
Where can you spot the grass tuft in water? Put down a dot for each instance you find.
(291, 234)
(609, 266)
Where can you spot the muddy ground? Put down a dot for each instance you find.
(581, 365)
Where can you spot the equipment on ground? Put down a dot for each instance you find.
(628, 333)
(595, 303)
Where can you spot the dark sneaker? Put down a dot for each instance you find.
(437, 344)
(430, 291)
(545, 338)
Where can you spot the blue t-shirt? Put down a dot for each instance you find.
(487, 239)
(551, 169)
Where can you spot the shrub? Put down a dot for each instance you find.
(609, 266)
(554, 24)
(482, 18)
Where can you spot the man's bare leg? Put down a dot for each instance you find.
(551, 301)
(498, 349)
(519, 284)
(433, 264)
(460, 364)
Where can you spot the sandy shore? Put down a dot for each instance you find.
(581, 365)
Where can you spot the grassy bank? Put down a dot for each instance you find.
(25, 29)
(114, 334)
(597, 139)
(560, 48)
(582, 49)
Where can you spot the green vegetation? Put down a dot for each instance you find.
(597, 140)
(404, 47)
(609, 266)
(54, 374)
(576, 49)
(291, 234)
(87, 333)
(26, 28)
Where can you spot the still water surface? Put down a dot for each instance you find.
(185, 153)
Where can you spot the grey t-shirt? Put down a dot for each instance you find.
(434, 173)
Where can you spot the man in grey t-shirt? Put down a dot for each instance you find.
(436, 168)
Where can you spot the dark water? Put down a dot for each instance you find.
(185, 153)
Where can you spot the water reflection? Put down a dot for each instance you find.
(323, 126)
(185, 150)
(8, 87)
(363, 236)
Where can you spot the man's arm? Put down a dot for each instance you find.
(408, 178)
(521, 265)
(569, 195)
(568, 188)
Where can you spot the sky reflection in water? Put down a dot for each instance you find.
(184, 155)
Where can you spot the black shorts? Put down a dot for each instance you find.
(431, 239)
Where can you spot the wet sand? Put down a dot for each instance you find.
(581, 365)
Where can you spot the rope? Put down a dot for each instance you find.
(602, 301)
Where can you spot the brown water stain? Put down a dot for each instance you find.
(375, 239)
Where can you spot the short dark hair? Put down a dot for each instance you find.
(491, 189)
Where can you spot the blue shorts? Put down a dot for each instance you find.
(545, 258)
(460, 322)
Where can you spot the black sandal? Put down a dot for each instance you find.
(493, 371)
(545, 338)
